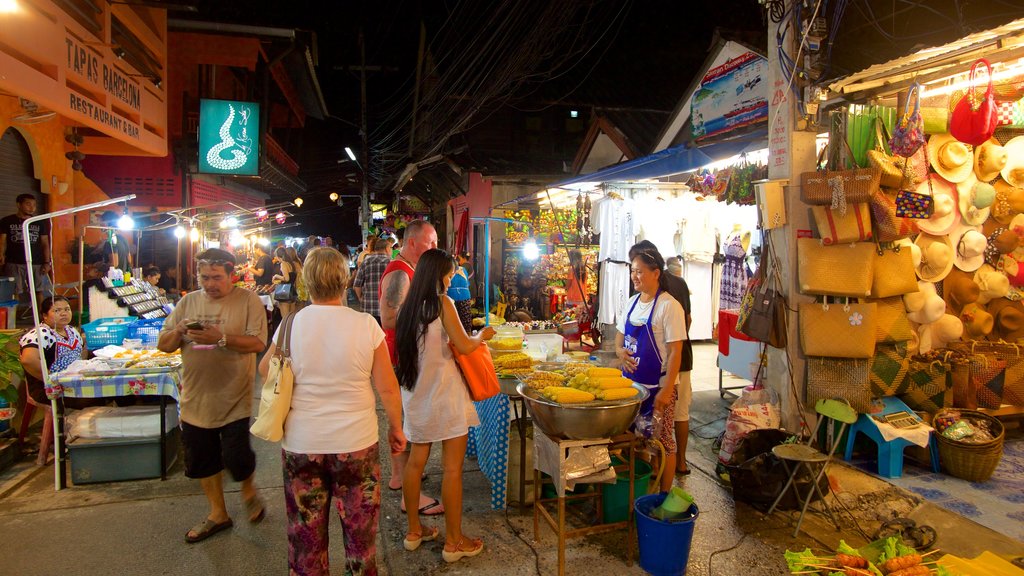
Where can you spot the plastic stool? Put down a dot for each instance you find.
(890, 452)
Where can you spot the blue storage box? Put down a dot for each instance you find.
(147, 330)
(106, 331)
(7, 289)
(114, 459)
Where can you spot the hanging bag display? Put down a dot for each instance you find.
(908, 134)
(843, 270)
(837, 188)
(974, 119)
(839, 378)
(276, 397)
(893, 170)
(838, 227)
(766, 319)
(886, 225)
(914, 205)
(893, 272)
(889, 370)
(838, 330)
(891, 322)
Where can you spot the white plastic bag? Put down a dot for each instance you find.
(755, 408)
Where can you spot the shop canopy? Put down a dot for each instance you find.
(675, 160)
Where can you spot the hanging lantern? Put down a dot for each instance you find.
(262, 215)
(280, 218)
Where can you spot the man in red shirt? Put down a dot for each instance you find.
(420, 236)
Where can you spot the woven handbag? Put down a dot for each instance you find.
(836, 227)
(838, 330)
(908, 134)
(886, 225)
(893, 273)
(840, 187)
(892, 169)
(928, 387)
(889, 370)
(891, 322)
(844, 270)
(837, 378)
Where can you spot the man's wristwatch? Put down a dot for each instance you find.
(223, 342)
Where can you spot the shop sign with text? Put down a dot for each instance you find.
(731, 96)
(229, 135)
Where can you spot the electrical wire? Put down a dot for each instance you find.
(518, 534)
(723, 551)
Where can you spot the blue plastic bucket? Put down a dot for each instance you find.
(664, 546)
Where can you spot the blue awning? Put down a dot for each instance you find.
(667, 162)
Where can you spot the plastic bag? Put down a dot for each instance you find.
(757, 407)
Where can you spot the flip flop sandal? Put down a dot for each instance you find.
(414, 543)
(459, 553)
(207, 528)
(254, 509)
(434, 503)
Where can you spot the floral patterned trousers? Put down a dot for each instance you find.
(311, 481)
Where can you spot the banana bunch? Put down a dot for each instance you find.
(566, 395)
(513, 360)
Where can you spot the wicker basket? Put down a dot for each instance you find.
(972, 462)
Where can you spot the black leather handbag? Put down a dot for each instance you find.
(284, 292)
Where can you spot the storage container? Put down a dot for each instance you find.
(114, 459)
(507, 339)
(106, 331)
(147, 330)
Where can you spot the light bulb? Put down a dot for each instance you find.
(334, 196)
(298, 202)
(125, 222)
(264, 241)
(193, 234)
(530, 249)
(179, 231)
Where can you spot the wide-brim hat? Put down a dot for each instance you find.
(915, 250)
(946, 214)
(969, 246)
(958, 290)
(936, 257)
(924, 306)
(975, 199)
(952, 159)
(1009, 319)
(993, 283)
(989, 159)
(1013, 171)
(946, 329)
(1008, 203)
(978, 323)
(1000, 242)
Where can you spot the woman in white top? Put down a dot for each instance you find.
(435, 399)
(330, 447)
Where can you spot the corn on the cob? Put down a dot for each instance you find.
(566, 395)
(616, 393)
(574, 368)
(601, 372)
(513, 360)
(609, 383)
(540, 379)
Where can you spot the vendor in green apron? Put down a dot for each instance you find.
(649, 342)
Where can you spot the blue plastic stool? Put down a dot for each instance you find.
(890, 452)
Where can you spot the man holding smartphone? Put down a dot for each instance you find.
(220, 330)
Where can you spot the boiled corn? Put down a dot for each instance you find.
(565, 395)
(609, 383)
(602, 372)
(616, 393)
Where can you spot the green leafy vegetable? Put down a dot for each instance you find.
(801, 561)
(845, 548)
(894, 548)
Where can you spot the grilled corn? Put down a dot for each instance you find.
(574, 368)
(616, 393)
(513, 360)
(602, 372)
(566, 395)
(606, 383)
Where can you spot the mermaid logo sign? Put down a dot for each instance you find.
(229, 135)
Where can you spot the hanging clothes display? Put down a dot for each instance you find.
(734, 273)
(698, 276)
(660, 223)
(614, 219)
(697, 233)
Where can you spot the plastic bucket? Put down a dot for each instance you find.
(664, 546)
(615, 497)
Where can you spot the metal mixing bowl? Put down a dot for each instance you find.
(581, 421)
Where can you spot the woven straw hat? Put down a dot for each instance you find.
(993, 284)
(989, 159)
(1008, 203)
(936, 257)
(951, 158)
(947, 214)
(969, 247)
(959, 289)
(1013, 171)
(975, 199)
(977, 322)
(1009, 319)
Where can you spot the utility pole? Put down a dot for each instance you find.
(364, 207)
(416, 89)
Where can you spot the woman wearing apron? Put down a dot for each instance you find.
(649, 342)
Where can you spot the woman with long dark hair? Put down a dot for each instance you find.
(435, 401)
(291, 270)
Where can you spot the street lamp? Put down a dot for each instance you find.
(298, 202)
(334, 196)
(351, 154)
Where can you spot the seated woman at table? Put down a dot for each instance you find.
(330, 448)
(61, 345)
(435, 399)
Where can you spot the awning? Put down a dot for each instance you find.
(668, 162)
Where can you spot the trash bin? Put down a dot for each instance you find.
(664, 546)
(615, 497)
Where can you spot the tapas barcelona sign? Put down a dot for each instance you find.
(229, 136)
(85, 64)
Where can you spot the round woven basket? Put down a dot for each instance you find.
(972, 462)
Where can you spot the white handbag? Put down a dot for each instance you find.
(276, 398)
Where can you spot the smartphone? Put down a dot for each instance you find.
(195, 325)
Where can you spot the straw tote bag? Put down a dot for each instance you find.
(928, 389)
(891, 322)
(889, 370)
(838, 330)
(829, 378)
(844, 270)
(276, 397)
(893, 273)
(838, 227)
(886, 225)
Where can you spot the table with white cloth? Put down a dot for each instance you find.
(161, 382)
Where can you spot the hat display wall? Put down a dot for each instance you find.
(936, 257)
(1008, 203)
(993, 284)
(1009, 319)
(946, 214)
(977, 322)
(975, 199)
(940, 333)
(924, 306)
(950, 158)
(1013, 171)
(968, 248)
(989, 159)
(958, 290)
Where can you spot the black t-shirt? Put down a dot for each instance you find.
(678, 289)
(11, 226)
(265, 263)
(117, 244)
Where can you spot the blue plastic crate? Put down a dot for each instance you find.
(106, 331)
(7, 288)
(147, 330)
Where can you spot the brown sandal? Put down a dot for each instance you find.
(254, 509)
(205, 529)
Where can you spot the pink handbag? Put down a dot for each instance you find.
(974, 119)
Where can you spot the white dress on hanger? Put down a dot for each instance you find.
(617, 224)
